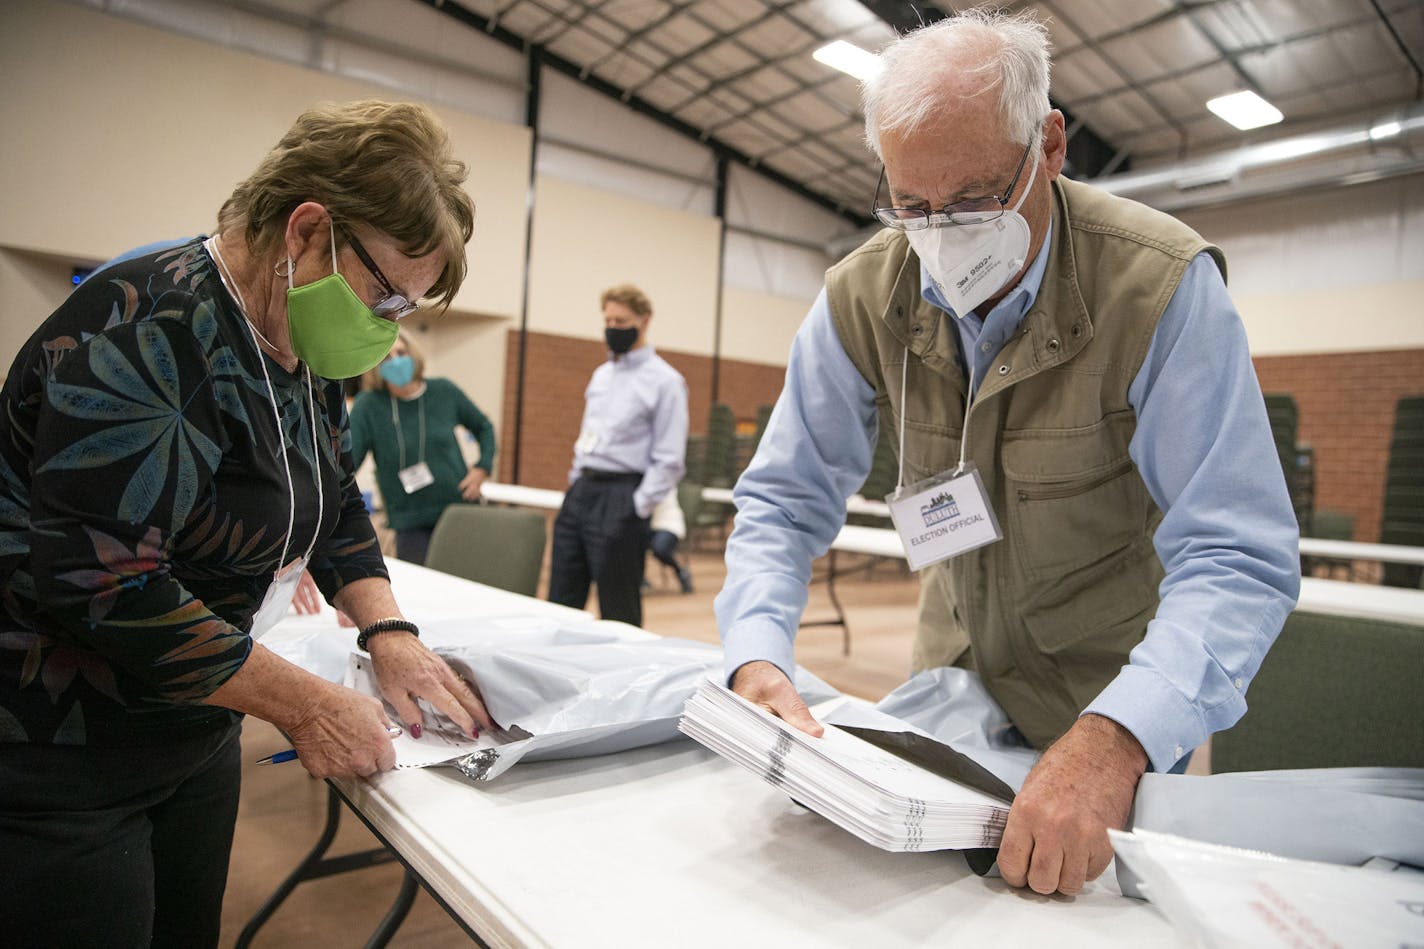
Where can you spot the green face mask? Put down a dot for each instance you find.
(332, 331)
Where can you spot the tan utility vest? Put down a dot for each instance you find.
(1047, 615)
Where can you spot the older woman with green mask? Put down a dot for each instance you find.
(175, 451)
(407, 422)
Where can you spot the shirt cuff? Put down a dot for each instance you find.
(1162, 720)
(757, 639)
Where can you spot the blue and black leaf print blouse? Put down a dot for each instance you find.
(144, 503)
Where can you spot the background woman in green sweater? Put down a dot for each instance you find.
(407, 422)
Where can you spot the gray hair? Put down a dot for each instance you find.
(1009, 52)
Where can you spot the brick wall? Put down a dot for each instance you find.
(1346, 405)
(1345, 400)
(557, 369)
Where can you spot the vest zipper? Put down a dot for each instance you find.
(1051, 494)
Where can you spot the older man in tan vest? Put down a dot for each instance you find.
(1088, 479)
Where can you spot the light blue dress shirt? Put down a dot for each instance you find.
(1228, 540)
(635, 419)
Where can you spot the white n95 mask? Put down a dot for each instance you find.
(969, 263)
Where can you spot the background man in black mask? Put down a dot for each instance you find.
(629, 455)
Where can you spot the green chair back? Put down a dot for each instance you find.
(689, 498)
(1402, 520)
(1285, 421)
(1333, 692)
(720, 454)
(499, 546)
(763, 416)
(884, 472)
(696, 458)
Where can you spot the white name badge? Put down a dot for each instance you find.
(280, 594)
(416, 477)
(942, 517)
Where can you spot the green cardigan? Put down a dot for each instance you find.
(373, 430)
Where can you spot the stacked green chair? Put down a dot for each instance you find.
(763, 416)
(1333, 692)
(696, 459)
(1285, 419)
(884, 471)
(721, 447)
(499, 546)
(746, 445)
(715, 470)
(1403, 516)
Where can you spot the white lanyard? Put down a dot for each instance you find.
(946, 514)
(231, 285)
(963, 435)
(395, 420)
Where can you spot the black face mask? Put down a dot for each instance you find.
(620, 340)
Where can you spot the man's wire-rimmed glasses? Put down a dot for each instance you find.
(969, 211)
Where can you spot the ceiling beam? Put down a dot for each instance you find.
(457, 11)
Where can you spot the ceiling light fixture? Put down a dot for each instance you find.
(848, 58)
(1245, 110)
(1385, 130)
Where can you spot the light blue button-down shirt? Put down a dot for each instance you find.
(635, 419)
(1228, 540)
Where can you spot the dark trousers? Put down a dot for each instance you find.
(413, 543)
(599, 538)
(117, 847)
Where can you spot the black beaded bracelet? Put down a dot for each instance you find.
(385, 626)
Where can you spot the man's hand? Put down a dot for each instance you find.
(470, 484)
(762, 683)
(1057, 834)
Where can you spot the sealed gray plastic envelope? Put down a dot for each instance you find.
(1335, 815)
(564, 697)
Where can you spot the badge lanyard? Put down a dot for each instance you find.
(418, 475)
(283, 588)
(946, 514)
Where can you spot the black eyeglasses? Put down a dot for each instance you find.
(969, 211)
(393, 305)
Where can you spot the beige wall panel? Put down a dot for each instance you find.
(586, 240)
(33, 286)
(759, 327)
(1353, 319)
(117, 134)
(469, 351)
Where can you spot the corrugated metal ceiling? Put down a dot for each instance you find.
(1135, 73)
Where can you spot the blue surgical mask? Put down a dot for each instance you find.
(398, 370)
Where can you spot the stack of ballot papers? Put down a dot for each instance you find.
(879, 796)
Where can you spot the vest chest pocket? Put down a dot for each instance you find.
(1073, 501)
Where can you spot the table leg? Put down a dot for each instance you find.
(317, 865)
(840, 619)
(410, 885)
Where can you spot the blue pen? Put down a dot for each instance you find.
(291, 753)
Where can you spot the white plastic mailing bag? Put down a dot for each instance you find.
(1337, 815)
(1218, 896)
(563, 693)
